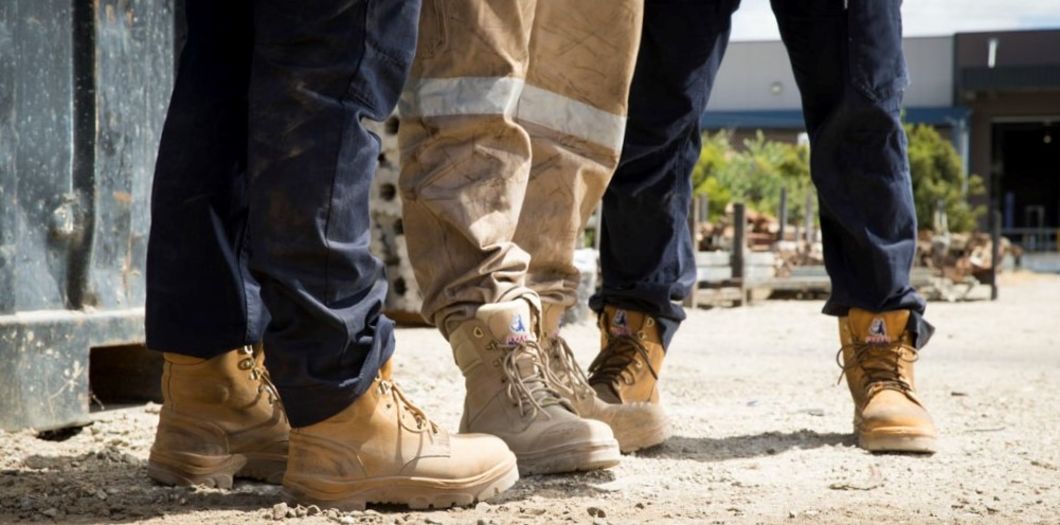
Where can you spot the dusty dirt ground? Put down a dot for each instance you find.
(761, 435)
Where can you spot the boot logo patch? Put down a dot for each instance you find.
(877, 332)
(619, 323)
(518, 332)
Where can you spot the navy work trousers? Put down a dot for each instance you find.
(848, 64)
(260, 224)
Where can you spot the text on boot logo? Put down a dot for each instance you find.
(619, 324)
(877, 332)
(518, 331)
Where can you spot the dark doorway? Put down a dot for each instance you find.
(1027, 160)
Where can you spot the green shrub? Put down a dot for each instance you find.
(937, 172)
(755, 174)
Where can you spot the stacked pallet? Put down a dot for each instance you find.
(403, 300)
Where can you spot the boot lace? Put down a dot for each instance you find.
(258, 373)
(880, 363)
(529, 380)
(391, 389)
(618, 359)
(568, 373)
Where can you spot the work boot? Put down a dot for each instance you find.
(383, 449)
(635, 425)
(221, 418)
(877, 355)
(510, 395)
(626, 372)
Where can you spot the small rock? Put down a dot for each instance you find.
(300, 512)
(312, 510)
(639, 505)
(482, 522)
(279, 511)
(430, 521)
(51, 513)
(597, 512)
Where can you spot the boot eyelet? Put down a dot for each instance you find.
(477, 332)
(650, 322)
(246, 364)
(642, 335)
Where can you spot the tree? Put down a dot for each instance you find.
(937, 173)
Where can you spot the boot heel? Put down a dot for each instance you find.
(266, 468)
(184, 469)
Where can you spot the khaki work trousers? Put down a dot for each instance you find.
(511, 126)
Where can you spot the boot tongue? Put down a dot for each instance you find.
(870, 327)
(551, 317)
(510, 322)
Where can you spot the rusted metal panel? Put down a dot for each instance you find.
(84, 86)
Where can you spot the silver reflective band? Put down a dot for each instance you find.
(438, 97)
(571, 117)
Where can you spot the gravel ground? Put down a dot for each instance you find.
(761, 435)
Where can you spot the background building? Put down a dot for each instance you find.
(995, 94)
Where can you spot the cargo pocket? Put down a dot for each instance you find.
(877, 64)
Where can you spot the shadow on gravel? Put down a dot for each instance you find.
(110, 487)
(558, 486)
(741, 447)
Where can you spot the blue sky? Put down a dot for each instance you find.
(754, 20)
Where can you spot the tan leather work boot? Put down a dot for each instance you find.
(877, 358)
(627, 369)
(221, 418)
(383, 449)
(510, 394)
(635, 425)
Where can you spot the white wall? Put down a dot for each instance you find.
(751, 69)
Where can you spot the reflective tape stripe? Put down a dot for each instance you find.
(577, 119)
(438, 97)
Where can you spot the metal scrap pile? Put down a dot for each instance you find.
(958, 256)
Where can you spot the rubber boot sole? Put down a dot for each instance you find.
(570, 457)
(413, 492)
(897, 441)
(187, 469)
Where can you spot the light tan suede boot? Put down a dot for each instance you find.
(626, 371)
(877, 358)
(635, 425)
(383, 449)
(221, 418)
(510, 394)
